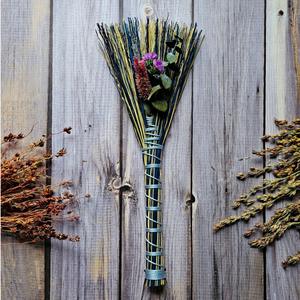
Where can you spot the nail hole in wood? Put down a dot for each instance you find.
(280, 13)
(189, 202)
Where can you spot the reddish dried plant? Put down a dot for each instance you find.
(142, 79)
(28, 207)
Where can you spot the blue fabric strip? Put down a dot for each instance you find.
(154, 229)
(155, 274)
(153, 244)
(154, 253)
(149, 148)
(152, 186)
(153, 220)
(153, 207)
(151, 139)
(152, 177)
(152, 198)
(153, 166)
(153, 263)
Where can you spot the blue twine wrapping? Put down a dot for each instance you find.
(155, 274)
(153, 152)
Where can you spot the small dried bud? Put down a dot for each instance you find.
(241, 176)
(67, 130)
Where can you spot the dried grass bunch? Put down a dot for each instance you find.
(284, 186)
(28, 207)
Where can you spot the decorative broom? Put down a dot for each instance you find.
(150, 62)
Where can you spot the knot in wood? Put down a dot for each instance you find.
(148, 10)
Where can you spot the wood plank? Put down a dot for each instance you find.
(25, 53)
(228, 124)
(85, 98)
(282, 102)
(176, 185)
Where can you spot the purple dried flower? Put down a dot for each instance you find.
(148, 56)
(159, 65)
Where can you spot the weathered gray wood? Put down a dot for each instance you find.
(228, 123)
(176, 178)
(85, 98)
(282, 102)
(24, 84)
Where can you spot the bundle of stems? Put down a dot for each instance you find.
(150, 63)
(28, 206)
(285, 185)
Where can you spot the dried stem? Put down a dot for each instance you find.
(285, 185)
(29, 207)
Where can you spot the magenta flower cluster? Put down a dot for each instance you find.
(156, 62)
(148, 56)
(159, 65)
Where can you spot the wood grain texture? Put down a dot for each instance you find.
(85, 98)
(176, 183)
(282, 102)
(228, 123)
(219, 120)
(24, 92)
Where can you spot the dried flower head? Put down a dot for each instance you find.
(285, 184)
(159, 65)
(142, 79)
(28, 208)
(148, 56)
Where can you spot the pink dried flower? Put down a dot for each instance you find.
(159, 65)
(148, 56)
(142, 79)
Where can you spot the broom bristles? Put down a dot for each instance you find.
(120, 43)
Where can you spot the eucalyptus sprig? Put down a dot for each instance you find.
(285, 185)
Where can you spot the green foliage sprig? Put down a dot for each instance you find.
(285, 185)
(152, 80)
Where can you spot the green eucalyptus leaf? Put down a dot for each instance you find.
(166, 81)
(160, 105)
(171, 44)
(153, 91)
(147, 109)
(171, 58)
(174, 67)
(165, 63)
(178, 49)
(164, 95)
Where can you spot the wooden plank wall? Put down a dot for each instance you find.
(85, 98)
(25, 28)
(282, 101)
(247, 73)
(227, 121)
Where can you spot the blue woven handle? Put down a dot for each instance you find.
(155, 271)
